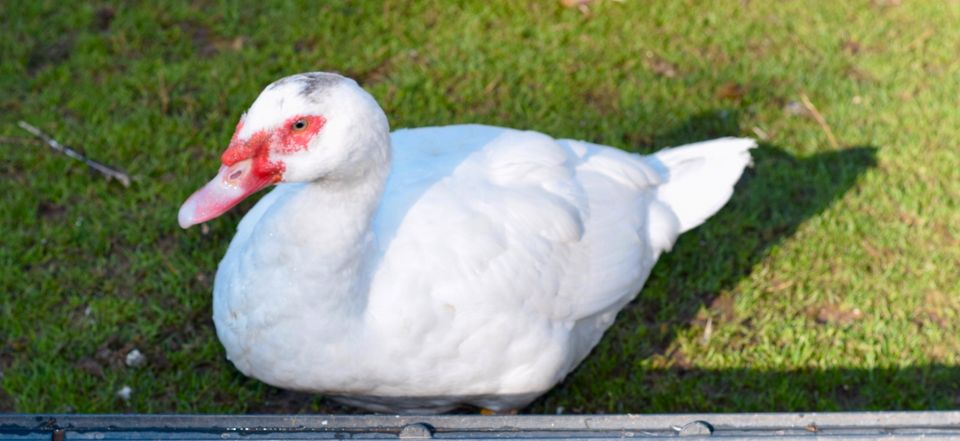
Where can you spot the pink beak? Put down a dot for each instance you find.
(230, 186)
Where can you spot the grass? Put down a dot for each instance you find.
(830, 282)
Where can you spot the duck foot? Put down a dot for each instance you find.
(485, 411)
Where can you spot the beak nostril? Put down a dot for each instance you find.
(235, 175)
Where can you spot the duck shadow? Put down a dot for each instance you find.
(772, 199)
(770, 202)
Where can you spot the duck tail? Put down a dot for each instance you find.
(699, 177)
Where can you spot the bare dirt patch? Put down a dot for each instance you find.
(44, 55)
(834, 314)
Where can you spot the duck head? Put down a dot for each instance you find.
(303, 128)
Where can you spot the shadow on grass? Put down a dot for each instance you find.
(678, 390)
(832, 389)
(771, 200)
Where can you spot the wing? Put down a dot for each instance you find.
(626, 230)
(506, 245)
(618, 245)
(481, 210)
(475, 241)
(490, 207)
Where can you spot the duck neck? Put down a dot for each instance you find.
(329, 226)
(317, 236)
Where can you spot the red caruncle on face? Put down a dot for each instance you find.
(291, 136)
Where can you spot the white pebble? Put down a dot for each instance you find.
(124, 393)
(795, 109)
(135, 358)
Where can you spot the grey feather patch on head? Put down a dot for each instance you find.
(313, 83)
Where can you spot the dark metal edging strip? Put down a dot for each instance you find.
(744, 426)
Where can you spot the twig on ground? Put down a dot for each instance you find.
(761, 134)
(707, 331)
(103, 169)
(820, 120)
(921, 39)
(582, 5)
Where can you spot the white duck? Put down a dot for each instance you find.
(433, 267)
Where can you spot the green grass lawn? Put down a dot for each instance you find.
(830, 282)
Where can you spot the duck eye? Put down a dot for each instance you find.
(300, 124)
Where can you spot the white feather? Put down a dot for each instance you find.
(700, 177)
